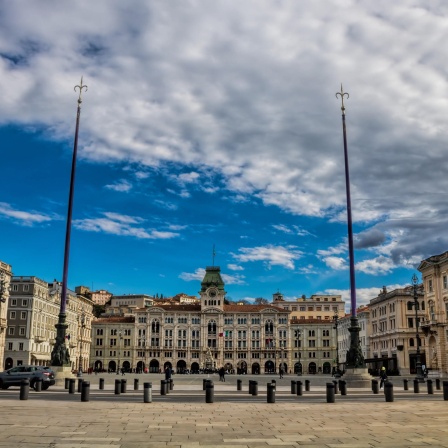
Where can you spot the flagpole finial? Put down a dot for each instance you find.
(213, 256)
(342, 94)
(81, 86)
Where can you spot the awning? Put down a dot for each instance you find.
(41, 357)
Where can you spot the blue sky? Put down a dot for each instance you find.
(214, 123)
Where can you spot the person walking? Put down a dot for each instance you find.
(383, 376)
(281, 372)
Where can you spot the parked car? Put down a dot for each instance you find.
(15, 375)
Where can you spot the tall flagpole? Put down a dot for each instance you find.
(355, 357)
(60, 356)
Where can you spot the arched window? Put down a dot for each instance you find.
(155, 326)
(410, 306)
(269, 326)
(205, 302)
(423, 304)
(212, 327)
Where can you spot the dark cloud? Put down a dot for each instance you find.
(369, 238)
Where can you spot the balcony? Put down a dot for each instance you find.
(39, 339)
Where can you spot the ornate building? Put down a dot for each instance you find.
(33, 310)
(435, 323)
(5, 280)
(393, 337)
(138, 333)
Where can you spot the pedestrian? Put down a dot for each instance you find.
(167, 373)
(281, 372)
(383, 376)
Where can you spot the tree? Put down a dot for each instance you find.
(261, 301)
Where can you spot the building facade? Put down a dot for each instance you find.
(435, 322)
(5, 280)
(210, 333)
(394, 327)
(33, 310)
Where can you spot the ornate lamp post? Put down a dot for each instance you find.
(81, 325)
(418, 364)
(336, 323)
(60, 356)
(355, 358)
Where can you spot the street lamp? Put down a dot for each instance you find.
(418, 365)
(355, 358)
(82, 325)
(60, 356)
(336, 323)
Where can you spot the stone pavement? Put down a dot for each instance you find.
(182, 419)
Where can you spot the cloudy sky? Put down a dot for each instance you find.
(216, 123)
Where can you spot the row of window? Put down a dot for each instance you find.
(13, 314)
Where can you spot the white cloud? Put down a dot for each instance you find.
(159, 94)
(235, 267)
(24, 218)
(336, 263)
(197, 275)
(123, 225)
(270, 254)
(122, 185)
(282, 228)
(233, 279)
(363, 295)
(376, 266)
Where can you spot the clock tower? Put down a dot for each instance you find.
(212, 289)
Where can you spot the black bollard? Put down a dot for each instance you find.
(294, 387)
(416, 387)
(101, 383)
(67, 383)
(445, 390)
(123, 386)
(38, 385)
(343, 387)
(80, 380)
(24, 389)
(254, 387)
(204, 382)
(71, 386)
(336, 389)
(135, 383)
(389, 391)
(147, 392)
(163, 387)
(239, 384)
(167, 386)
(430, 387)
(250, 386)
(375, 388)
(209, 392)
(117, 387)
(271, 393)
(437, 383)
(275, 384)
(299, 388)
(330, 392)
(171, 384)
(85, 391)
(405, 385)
(307, 385)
